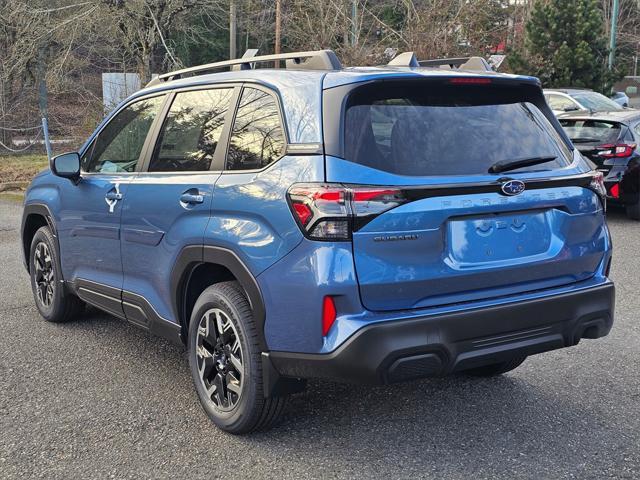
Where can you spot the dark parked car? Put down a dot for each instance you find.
(610, 140)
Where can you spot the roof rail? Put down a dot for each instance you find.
(408, 59)
(312, 60)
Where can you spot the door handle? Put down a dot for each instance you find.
(191, 198)
(113, 195)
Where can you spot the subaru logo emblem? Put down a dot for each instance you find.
(513, 187)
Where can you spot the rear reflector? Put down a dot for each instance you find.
(615, 191)
(328, 314)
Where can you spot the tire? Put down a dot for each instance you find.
(633, 211)
(226, 367)
(496, 368)
(53, 301)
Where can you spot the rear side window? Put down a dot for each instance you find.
(191, 131)
(558, 102)
(446, 130)
(257, 138)
(118, 146)
(591, 131)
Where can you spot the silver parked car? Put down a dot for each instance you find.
(563, 100)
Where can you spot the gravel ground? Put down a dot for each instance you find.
(98, 398)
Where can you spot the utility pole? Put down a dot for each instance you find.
(41, 73)
(278, 32)
(233, 21)
(354, 22)
(614, 29)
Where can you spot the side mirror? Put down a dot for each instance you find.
(66, 165)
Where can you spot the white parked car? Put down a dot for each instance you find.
(573, 99)
(621, 98)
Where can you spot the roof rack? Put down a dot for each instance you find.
(312, 60)
(408, 59)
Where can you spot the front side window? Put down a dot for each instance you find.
(447, 130)
(596, 101)
(118, 146)
(191, 131)
(257, 138)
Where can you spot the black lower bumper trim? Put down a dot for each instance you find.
(437, 345)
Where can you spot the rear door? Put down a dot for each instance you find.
(168, 204)
(455, 232)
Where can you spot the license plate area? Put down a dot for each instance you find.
(500, 238)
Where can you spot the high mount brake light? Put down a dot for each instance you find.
(470, 81)
(334, 211)
(621, 150)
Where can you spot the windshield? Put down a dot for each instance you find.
(446, 131)
(591, 131)
(596, 101)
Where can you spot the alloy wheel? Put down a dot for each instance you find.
(43, 274)
(219, 357)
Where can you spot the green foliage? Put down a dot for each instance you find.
(565, 45)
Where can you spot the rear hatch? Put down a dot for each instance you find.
(438, 222)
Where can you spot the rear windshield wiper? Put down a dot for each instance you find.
(506, 165)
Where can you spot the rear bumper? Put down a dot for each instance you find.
(400, 350)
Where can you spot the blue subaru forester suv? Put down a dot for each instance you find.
(368, 225)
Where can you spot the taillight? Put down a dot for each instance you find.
(334, 211)
(620, 150)
(597, 185)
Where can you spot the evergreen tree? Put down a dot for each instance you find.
(565, 45)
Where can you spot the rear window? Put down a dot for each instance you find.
(591, 131)
(446, 130)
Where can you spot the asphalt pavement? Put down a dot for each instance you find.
(98, 398)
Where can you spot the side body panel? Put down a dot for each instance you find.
(156, 226)
(250, 213)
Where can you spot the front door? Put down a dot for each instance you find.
(168, 204)
(90, 211)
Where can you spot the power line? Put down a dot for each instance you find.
(9, 129)
(19, 150)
